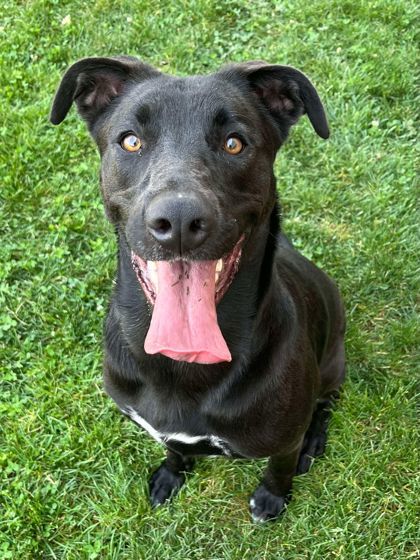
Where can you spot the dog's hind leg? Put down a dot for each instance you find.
(333, 371)
(169, 477)
(316, 435)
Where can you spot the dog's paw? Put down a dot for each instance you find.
(163, 485)
(266, 506)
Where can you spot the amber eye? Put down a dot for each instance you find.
(233, 145)
(131, 143)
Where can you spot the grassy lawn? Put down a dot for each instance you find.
(73, 472)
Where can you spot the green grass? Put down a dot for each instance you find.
(73, 480)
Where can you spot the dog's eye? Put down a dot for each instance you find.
(131, 143)
(233, 145)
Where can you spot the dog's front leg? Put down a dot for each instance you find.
(169, 477)
(269, 499)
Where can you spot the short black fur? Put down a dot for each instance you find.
(282, 318)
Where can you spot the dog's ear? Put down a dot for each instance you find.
(285, 92)
(94, 82)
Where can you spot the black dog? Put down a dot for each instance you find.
(221, 339)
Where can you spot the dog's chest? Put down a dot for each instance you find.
(183, 442)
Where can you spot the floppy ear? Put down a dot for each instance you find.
(94, 82)
(286, 93)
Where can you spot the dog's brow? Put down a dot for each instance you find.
(143, 114)
(222, 117)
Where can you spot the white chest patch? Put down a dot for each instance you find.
(182, 437)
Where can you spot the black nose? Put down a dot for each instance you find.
(180, 221)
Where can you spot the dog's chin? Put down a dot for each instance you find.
(225, 268)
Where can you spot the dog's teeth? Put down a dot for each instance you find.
(216, 277)
(152, 274)
(219, 265)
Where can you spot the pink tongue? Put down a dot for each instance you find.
(184, 322)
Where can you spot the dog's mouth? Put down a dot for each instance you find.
(225, 270)
(184, 295)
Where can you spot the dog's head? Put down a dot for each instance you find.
(187, 163)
